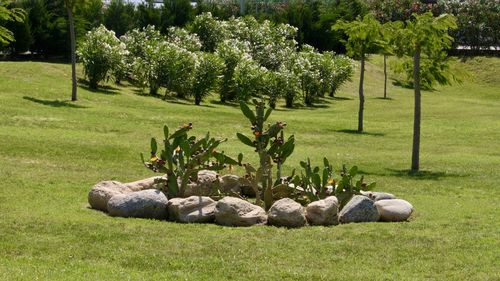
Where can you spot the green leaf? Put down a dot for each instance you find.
(326, 162)
(316, 170)
(316, 181)
(240, 158)
(154, 146)
(178, 133)
(353, 171)
(165, 131)
(268, 113)
(244, 139)
(303, 164)
(371, 186)
(247, 112)
(273, 130)
(325, 177)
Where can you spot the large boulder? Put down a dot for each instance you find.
(376, 196)
(232, 211)
(194, 209)
(323, 212)
(100, 193)
(394, 209)
(206, 184)
(149, 183)
(288, 213)
(150, 203)
(359, 209)
(230, 184)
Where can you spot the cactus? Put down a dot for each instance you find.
(183, 156)
(315, 186)
(269, 143)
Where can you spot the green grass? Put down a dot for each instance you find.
(52, 151)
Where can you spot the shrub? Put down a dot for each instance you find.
(206, 75)
(100, 52)
(184, 39)
(210, 31)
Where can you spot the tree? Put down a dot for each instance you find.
(119, 16)
(8, 15)
(364, 38)
(425, 38)
(70, 5)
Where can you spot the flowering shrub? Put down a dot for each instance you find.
(210, 31)
(100, 53)
(184, 39)
(207, 72)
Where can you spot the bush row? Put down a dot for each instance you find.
(238, 58)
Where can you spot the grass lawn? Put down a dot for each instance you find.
(52, 151)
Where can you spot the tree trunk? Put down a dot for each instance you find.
(361, 95)
(385, 76)
(73, 52)
(415, 161)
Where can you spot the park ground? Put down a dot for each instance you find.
(52, 151)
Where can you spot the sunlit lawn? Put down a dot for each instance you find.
(52, 151)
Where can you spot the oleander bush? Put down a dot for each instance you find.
(102, 55)
(240, 58)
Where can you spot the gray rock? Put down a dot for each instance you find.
(394, 209)
(232, 211)
(323, 212)
(149, 183)
(288, 213)
(376, 196)
(359, 209)
(100, 193)
(206, 184)
(194, 209)
(230, 184)
(150, 203)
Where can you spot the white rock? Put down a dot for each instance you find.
(323, 212)
(376, 196)
(194, 209)
(288, 213)
(206, 184)
(150, 203)
(359, 209)
(232, 211)
(100, 193)
(394, 209)
(149, 183)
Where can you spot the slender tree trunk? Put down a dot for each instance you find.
(385, 76)
(361, 95)
(73, 52)
(415, 157)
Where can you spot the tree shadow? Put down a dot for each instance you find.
(382, 98)
(54, 103)
(421, 175)
(226, 103)
(340, 98)
(355, 132)
(416, 175)
(102, 89)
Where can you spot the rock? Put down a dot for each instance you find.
(288, 213)
(230, 184)
(394, 209)
(195, 209)
(206, 185)
(359, 209)
(232, 211)
(100, 193)
(376, 196)
(323, 212)
(149, 183)
(150, 203)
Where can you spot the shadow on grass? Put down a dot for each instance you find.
(355, 132)
(421, 175)
(54, 103)
(340, 98)
(409, 174)
(227, 103)
(101, 89)
(382, 98)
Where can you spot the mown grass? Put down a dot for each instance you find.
(52, 151)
